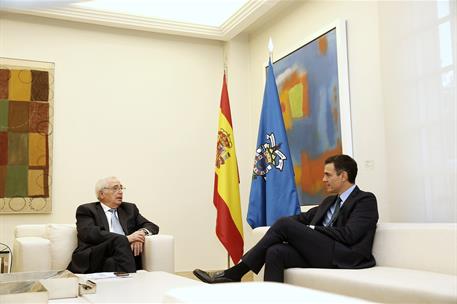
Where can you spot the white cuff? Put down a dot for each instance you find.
(146, 231)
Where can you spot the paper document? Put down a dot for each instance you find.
(101, 275)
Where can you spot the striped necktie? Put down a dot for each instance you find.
(115, 224)
(335, 211)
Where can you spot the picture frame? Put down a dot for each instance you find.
(313, 86)
(26, 135)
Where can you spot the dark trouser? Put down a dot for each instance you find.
(112, 255)
(289, 243)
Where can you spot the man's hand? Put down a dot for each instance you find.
(137, 236)
(137, 248)
(136, 241)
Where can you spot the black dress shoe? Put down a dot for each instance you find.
(212, 277)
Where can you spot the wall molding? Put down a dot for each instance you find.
(245, 16)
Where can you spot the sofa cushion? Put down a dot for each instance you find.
(419, 246)
(38, 230)
(379, 284)
(63, 240)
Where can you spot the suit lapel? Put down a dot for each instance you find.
(347, 206)
(322, 210)
(328, 202)
(123, 218)
(102, 216)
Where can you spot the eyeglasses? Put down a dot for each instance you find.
(116, 188)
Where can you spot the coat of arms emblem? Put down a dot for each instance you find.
(268, 156)
(223, 143)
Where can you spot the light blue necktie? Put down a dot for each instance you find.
(115, 224)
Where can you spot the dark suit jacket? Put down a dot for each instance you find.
(353, 231)
(93, 229)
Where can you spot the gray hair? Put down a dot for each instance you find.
(103, 183)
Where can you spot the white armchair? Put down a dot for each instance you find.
(50, 246)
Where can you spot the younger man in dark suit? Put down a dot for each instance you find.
(111, 232)
(338, 233)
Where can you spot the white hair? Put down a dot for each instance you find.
(103, 183)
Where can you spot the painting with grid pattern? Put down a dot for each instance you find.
(26, 102)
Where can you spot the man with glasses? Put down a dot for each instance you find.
(111, 232)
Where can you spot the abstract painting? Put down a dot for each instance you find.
(26, 102)
(310, 81)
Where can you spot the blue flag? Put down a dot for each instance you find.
(273, 192)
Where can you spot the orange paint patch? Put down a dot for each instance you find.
(335, 116)
(312, 170)
(323, 45)
(284, 98)
(297, 172)
(285, 108)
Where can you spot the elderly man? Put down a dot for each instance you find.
(111, 232)
(338, 233)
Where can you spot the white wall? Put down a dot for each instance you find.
(419, 53)
(141, 106)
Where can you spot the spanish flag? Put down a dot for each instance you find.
(229, 227)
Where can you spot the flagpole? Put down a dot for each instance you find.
(225, 74)
(270, 48)
(225, 61)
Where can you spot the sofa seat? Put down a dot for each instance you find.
(415, 263)
(379, 284)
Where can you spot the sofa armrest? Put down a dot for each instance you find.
(38, 230)
(31, 253)
(159, 253)
(258, 233)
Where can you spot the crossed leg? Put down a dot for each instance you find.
(289, 243)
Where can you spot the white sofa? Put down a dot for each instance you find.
(415, 263)
(50, 246)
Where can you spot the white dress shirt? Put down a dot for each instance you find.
(109, 214)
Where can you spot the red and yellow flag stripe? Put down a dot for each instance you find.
(229, 226)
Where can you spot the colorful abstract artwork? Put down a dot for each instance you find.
(309, 92)
(26, 101)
